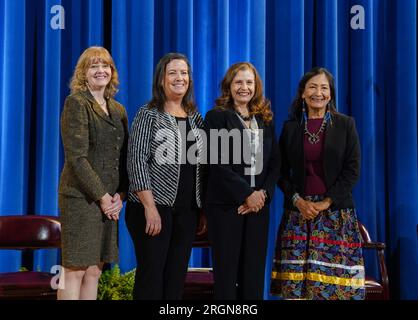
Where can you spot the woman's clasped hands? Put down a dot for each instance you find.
(309, 209)
(111, 206)
(254, 203)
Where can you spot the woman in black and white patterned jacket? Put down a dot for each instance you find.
(165, 174)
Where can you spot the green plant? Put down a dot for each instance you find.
(24, 269)
(116, 286)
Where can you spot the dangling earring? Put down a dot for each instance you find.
(328, 115)
(304, 116)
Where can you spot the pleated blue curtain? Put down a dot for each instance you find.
(375, 71)
(44, 171)
(400, 93)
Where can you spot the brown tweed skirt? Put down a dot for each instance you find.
(88, 237)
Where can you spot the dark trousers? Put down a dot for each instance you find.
(162, 260)
(239, 246)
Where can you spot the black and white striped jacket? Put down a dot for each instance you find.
(155, 136)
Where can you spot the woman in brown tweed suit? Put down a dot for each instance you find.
(94, 130)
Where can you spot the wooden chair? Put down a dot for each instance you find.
(28, 233)
(199, 281)
(375, 289)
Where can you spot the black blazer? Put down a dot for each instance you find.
(227, 183)
(341, 160)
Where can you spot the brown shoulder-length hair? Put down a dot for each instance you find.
(90, 56)
(158, 95)
(258, 105)
(296, 108)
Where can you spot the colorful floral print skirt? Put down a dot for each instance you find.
(319, 259)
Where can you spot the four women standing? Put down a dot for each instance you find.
(318, 252)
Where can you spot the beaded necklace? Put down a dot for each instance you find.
(314, 138)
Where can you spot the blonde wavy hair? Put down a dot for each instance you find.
(90, 56)
(258, 105)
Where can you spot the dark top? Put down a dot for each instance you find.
(314, 183)
(186, 191)
(341, 160)
(227, 182)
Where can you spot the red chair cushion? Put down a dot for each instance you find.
(374, 290)
(26, 284)
(199, 277)
(198, 285)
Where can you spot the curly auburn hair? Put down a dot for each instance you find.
(90, 56)
(258, 105)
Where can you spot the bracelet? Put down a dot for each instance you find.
(265, 193)
(295, 198)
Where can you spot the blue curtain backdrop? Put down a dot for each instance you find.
(375, 70)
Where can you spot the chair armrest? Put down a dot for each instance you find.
(374, 245)
(380, 248)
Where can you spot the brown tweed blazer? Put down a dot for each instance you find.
(95, 147)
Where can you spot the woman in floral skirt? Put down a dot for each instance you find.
(318, 250)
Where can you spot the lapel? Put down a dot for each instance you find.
(261, 126)
(299, 147)
(233, 117)
(260, 123)
(328, 136)
(170, 121)
(96, 108)
(200, 147)
(115, 116)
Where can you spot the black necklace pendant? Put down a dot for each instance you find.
(313, 139)
(242, 117)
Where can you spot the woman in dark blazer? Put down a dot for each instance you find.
(93, 182)
(318, 252)
(241, 181)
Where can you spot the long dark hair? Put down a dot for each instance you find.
(158, 95)
(295, 111)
